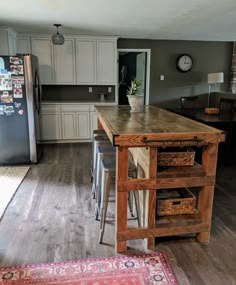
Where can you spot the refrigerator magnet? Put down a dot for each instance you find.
(5, 84)
(17, 93)
(17, 86)
(17, 105)
(18, 80)
(2, 108)
(9, 110)
(16, 69)
(16, 60)
(5, 97)
(21, 112)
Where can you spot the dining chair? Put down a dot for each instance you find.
(226, 106)
(189, 103)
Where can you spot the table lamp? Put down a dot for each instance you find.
(214, 78)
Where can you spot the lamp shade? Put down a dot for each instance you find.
(215, 77)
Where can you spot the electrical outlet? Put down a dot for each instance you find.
(90, 89)
(109, 89)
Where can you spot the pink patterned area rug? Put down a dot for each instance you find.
(148, 269)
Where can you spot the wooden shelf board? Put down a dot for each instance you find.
(181, 171)
(167, 226)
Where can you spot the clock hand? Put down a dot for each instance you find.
(185, 59)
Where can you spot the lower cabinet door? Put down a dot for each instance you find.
(50, 126)
(68, 125)
(83, 125)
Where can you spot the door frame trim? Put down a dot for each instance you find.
(148, 68)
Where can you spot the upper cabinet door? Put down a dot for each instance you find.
(42, 48)
(7, 41)
(23, 45)
(64, 60)
(106, 62)
(86, 61)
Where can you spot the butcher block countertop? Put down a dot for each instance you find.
(153, 126)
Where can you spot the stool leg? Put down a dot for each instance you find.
(130, 201)
(106, 186)
(98, 191)
(137, 206)
(94, 171)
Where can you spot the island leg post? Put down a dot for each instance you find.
(206, 194)
(121, 195)
(152, 195)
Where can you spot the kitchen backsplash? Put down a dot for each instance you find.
(76, 93)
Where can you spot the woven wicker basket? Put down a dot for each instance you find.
(176, 157)
(175, 202)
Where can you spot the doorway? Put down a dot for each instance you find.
(133, 64)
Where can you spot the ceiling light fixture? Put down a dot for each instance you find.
(57, 39)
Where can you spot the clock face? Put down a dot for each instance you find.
(184, 63)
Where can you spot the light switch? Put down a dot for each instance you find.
(90, 89)
(109, 89)
(162, 77)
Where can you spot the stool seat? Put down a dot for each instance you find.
(99, 132)
(109, 164)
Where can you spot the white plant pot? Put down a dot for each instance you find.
(136, 103)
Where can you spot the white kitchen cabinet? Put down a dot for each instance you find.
(65, 122)
(23, 45)
(50, 126)
(86, 61)
(83, 125)
(7, 41)
(42, 48)
(106, 62)
(64, 62)
(69, 129)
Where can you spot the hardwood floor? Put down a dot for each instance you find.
(51, 218)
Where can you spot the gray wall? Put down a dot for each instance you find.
(208, 57)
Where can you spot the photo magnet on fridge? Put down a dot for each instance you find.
(5, 97)
(17, 86)
(17, 93)
(16, 69)
(9, 110)
(5, 84)
(2, 108)
(17, 105)
(16, 60)
(18, 80)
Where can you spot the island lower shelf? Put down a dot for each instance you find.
(168, 226)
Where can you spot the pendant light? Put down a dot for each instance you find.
(57, 39)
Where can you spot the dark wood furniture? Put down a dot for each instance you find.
(146, 132)
(226, 106)
(200, 116)
(225, 121)
(189, 103)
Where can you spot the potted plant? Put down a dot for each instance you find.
(135, 100)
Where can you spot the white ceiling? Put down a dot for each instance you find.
(150, 19)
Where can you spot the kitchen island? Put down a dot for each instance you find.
(149, 131)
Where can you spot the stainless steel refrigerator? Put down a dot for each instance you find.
(20, 96)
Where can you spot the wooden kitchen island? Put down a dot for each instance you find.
(150, 131)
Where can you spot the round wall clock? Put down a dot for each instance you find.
(184, 62)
